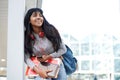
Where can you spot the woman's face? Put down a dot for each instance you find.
(36, 19)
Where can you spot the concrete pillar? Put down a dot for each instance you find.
(15, 40)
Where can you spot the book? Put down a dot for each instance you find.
(51, 64)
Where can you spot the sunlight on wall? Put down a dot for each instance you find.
(82, 17)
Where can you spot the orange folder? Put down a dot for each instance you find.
(51, 64)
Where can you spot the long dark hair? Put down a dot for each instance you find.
(50, 32)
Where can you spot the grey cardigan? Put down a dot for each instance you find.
(41, 46)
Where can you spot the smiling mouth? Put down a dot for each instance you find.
(38, 21)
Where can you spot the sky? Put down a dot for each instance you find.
(83, 17)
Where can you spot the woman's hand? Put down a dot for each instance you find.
(42, 73)
(44, 58)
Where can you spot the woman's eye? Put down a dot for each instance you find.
(36, 14)
(40, 15)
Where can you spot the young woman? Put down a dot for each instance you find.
(41, 36)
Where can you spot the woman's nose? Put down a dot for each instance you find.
(38, 17)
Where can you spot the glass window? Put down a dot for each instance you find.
(85, 49)
(85, 65)
(102, 65)
(75, 48)
(95, 48)
(117, 65)
(116, 50)
(116, 77)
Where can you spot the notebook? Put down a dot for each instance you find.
(51, 64)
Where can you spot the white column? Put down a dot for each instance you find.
(39, 3)
(15, 40)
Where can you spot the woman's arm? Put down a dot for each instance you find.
(28, 61)
(60, 51)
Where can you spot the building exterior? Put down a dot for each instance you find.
(98, 57)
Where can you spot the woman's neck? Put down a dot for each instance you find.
(37, 30)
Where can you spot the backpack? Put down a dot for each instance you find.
(69, 61)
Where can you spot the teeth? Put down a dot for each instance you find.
(38, 21)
